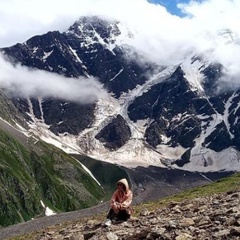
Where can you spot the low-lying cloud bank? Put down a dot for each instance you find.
(24, 82)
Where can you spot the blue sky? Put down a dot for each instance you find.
(171, 5)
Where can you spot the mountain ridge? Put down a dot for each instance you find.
(189, 101)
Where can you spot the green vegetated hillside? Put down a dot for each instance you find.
(107, 174)
(38, 173)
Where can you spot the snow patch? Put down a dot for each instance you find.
(48, 211)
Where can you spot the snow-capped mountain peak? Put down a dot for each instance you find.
(164, 115)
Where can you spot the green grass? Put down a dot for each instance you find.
(223, 185)
(41, 172)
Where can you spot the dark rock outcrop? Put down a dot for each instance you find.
(115, 134)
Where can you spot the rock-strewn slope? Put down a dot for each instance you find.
(212, 217)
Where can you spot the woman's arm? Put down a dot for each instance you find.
(113, 202)
(128, 201)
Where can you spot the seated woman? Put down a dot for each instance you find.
(120, 203)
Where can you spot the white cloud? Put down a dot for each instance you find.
(215, 25)
(25, 82)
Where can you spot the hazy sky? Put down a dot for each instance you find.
(164, 34)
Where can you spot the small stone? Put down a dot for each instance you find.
(184, 236)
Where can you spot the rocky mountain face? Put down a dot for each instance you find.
(176, 120)
(212, 217)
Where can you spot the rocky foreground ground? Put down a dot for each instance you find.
(203, 218)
